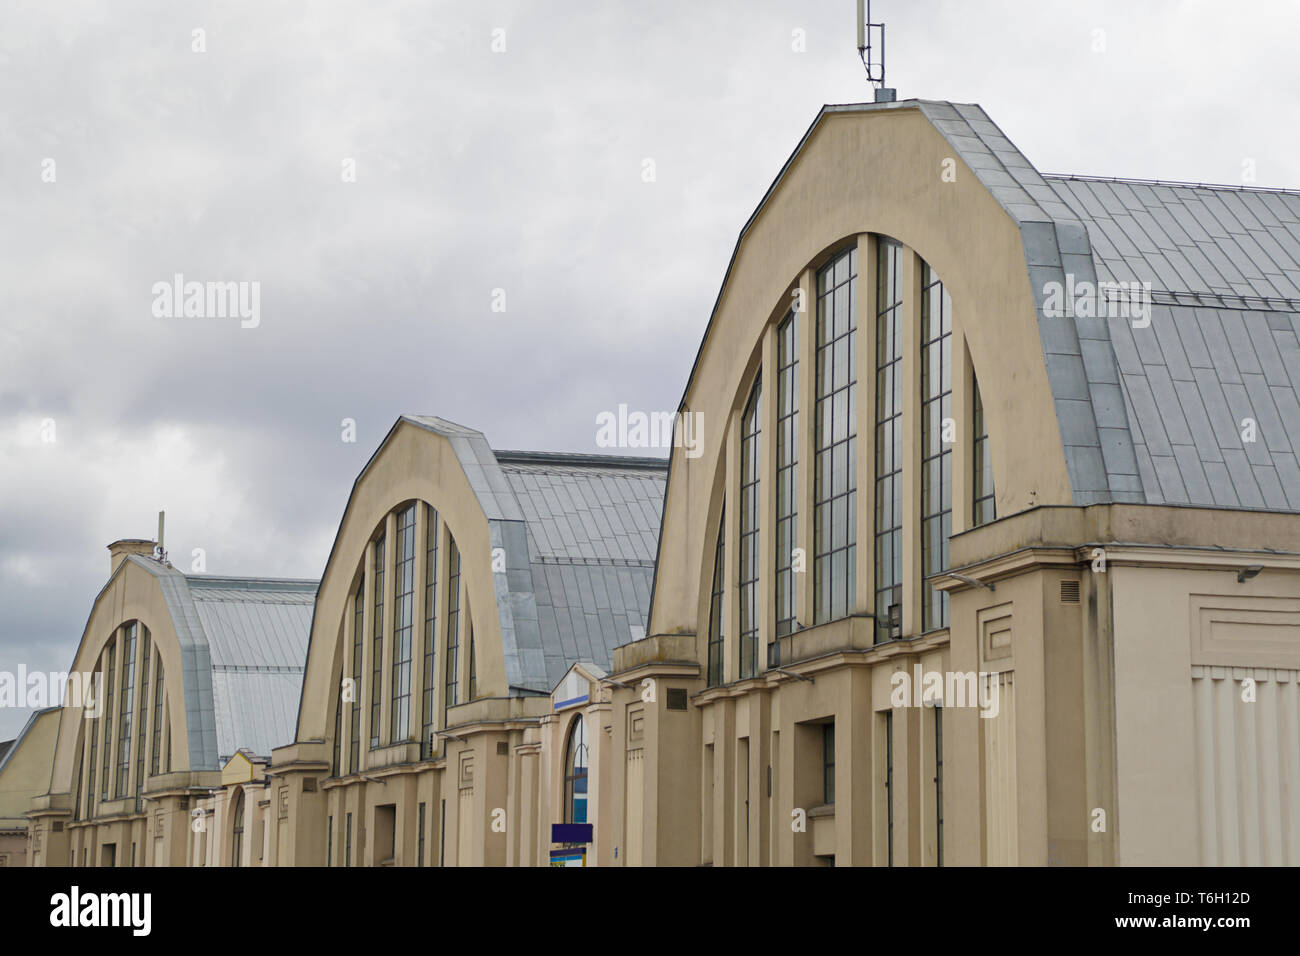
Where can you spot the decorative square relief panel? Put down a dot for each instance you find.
(1243, 631)
(994, 626)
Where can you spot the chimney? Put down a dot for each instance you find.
(118, 550)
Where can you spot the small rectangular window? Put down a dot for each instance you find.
(889, 780)
(419, 849)
(984, 501)
(938, 785)
(828, 763)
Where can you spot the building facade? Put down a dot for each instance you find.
(988, 554)
(190, 673)
(966, 574)
(464, 586)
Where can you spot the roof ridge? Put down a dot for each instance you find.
(1174, 183)
(234, 582)
(586, 459)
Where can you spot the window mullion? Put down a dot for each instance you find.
(386, 628)
(363, 690)
(806, 444)
(866, 477)
(415, 703)
(767, 442)
(731, 577)
(910, 329)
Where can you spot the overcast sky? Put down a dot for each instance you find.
(475, 170)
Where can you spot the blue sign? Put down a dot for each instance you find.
(571, 833)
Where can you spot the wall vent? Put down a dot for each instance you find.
(503, 748)
(677, 698)
(1069, 592)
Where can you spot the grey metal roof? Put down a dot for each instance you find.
(579, 535)
(243, 648)
(1224, 341)
(1099, 449)
(1157, 414)
(257, 634)
(592, 534)
(579, 511)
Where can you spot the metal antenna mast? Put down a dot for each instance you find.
(867, 33)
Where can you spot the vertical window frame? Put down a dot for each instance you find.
(576, 749)
(835, 445)
(750, 559)
(105, 785)
(451, 656)
(828, 763)
(428, 702)
(717, 607)
(142, 717)
(984, 507)
(888, 510)
(786, 487)
(403, 626)
(358, 646)
(936, 390)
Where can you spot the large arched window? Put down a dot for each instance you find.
(400, 630)
(237, 829)
(575, 772)
(124, 700)
(924, 419)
